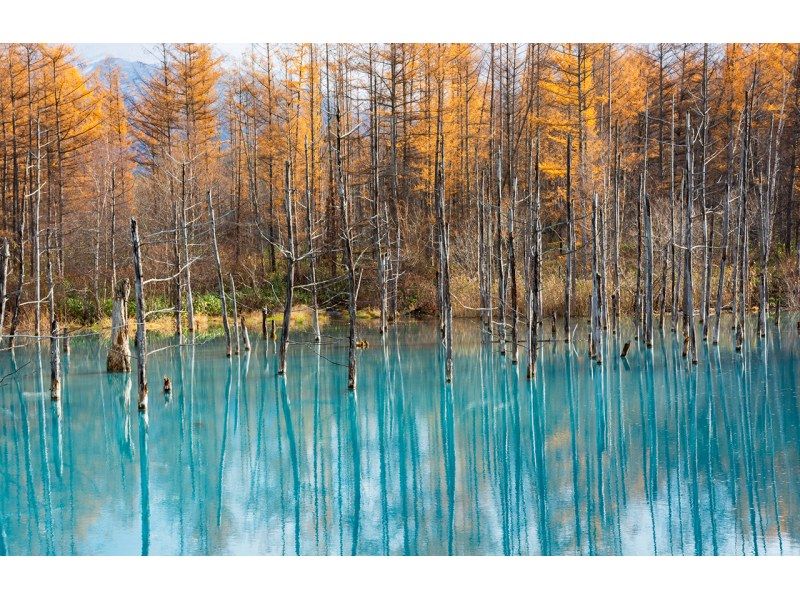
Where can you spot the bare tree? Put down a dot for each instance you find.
(141, 337)
(220, 281)
(119, 354)
(290, 265)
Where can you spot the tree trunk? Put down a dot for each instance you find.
(5, 256)
(245, 335)
(688, 304)
(512, 270)
(312, 258)
(596, 348)
(534, 275)
(444, 245)
(55, 345)
(141, 338)
(220, 281)
(235, 314)
(570, 249)
(290, 262)
(119, 354)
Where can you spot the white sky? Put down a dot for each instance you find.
(139, 52)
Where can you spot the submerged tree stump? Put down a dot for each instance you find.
(119, 355)
(245, 334)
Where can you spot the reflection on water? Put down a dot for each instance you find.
(647, 455)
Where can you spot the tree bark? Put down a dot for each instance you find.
(119, 354)
(5, 257)
(688, 304)
(220, 281)
(141, 337)
(290, 264)
(235, 314)
(570, 249)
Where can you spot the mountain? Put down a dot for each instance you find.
(132, 72)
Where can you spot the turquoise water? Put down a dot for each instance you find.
(646, 456)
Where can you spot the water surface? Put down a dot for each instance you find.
(645, 456)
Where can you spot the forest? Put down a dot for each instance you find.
(528, 185)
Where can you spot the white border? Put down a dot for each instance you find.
(151, 21)
(231, 21)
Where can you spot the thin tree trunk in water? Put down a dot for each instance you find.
(290, 263)
(673, 235)
(534, 275)
(395, 195)
(176, 256)
(444, 245)
(112, 237)
(512, 269)
(119, 354)
(740, 282)
(220, 280)
(723, 261)
(347, 242)
(36, 252)
(15, 315)
(638, 307)
(648, 249)
(377, 211)
(706, 280)
(501, 266)
(312, 258)
(245, 335)
(96, 269)
(596, 349)
(235, 314)
(5, 256)
(55, 345)
(186, 260)
(688, 305)
(615, 299)
(648, 286)
(570, 248)
(141, 338)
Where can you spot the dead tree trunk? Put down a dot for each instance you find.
(220, 280)
(501, 266)
(186, 260)
(245, 335)
(512, 271)
(648, 272)
(444, 247)
(675, 279)
(5, 256)
(36, 252)
(740, 282)
(688, 300)
(570, 248)
(312, 258)
(378, 211)
(596, 349)
(55, 345)
(615, 298)
(290, 263)
(235, 314)
(141, 338)
(176, 257)
(706, 279)
(534, 274)
(723, 260)
(119, 354)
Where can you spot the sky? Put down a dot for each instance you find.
(139, 52)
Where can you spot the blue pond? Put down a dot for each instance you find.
(648, 455)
